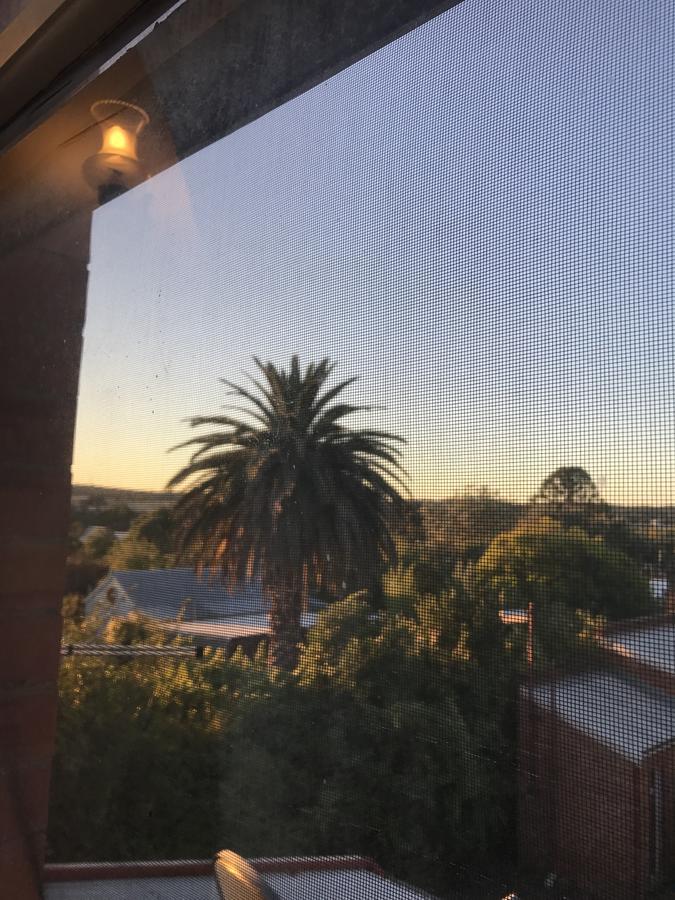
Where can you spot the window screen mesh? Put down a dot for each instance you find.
(436, 609)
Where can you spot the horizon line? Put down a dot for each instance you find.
(466, 493)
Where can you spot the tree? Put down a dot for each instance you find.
(137, 741)
(290, 495)
(99, 544)
(82, 576)
(392, 738)
(460, 528)
(568, 485)
(571, 496)
(117, 517)
(546, 564)
(149, 544)
(407, 757)
(72, 614)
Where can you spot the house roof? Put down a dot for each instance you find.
(293, 878)
(92, 530)
(628, 717)
(653, 646)
(514, 616)
(160, 593)
(230, 628)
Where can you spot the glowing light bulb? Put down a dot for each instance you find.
(116, 138)
(116, 167)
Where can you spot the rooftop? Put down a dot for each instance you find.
(162, 594)
(293, 878)
(630, 718)
(653, 646)
(231, 628)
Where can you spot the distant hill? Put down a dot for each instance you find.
(484, 506)
(139, 501)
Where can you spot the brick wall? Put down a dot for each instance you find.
(43, 294)
(664, 761)
(583, 812)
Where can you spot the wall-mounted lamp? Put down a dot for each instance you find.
(116, 167)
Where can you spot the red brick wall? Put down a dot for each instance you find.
(582, 812)
(43, 293)
(664, 761)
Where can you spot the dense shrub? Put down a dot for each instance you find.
(387, 741)
(138, 759)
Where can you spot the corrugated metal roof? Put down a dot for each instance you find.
(161, 593)
(232, 627)
(630, 718)
(653, 647)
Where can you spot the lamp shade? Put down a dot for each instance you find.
(116, 166)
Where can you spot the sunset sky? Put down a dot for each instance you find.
(477, 220)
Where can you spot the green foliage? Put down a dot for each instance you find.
(94, 511)
(149, 544)
(407, 753)
(74, 534)
(72, 615)
(158, 528)
(138, 759)
(461, 528)
(394, 737)
(421, 570)
(388, 740)
(549, 565)
(99, 544)
(82, 575)
(618, 534)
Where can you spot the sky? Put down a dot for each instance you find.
(477, 220)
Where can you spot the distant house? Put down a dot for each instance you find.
(202, 609)
(597, 767)
(514, 616)
(95, 530)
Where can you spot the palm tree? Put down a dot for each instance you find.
(289, 495)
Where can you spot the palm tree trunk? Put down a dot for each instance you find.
(286, 607)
